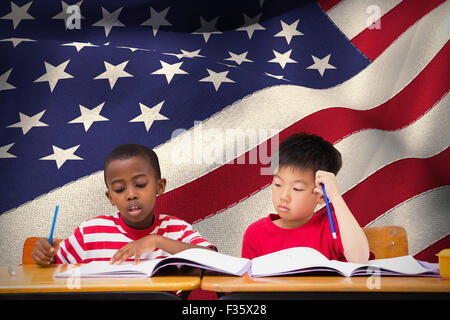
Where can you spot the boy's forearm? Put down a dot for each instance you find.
(174, 246)
(354, 241)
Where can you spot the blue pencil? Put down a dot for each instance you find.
(50, 239)
(330, 217)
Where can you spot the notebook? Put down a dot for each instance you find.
(288, 261)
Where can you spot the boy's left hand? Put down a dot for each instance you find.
(330, 182)
(136, 249)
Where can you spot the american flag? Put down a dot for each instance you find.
(78, 78)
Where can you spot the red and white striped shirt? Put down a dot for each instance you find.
(98, 239)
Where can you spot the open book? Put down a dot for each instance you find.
(302, 259)
(201, 258)
(289, 261)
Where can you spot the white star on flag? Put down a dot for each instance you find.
(26, 123)
(251, 25)
(282, 58)
(238, 58)
(88, 117)
(79, 45)
(4, 85)
(132, 49)
(216, 78)
(321, 64)
(157, 19)
(289, 30)
(54, 74)
(109, 20)
(169, 70)
(186, 54)
(113, 73)
(279, 77)
(17, 41)
(63, 15)
(149, 115)
(207, 28)
(4, 151)
(61, 155)
(18, 14)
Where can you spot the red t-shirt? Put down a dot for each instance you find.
(263, 237)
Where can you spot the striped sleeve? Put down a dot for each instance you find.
(96, 239)
(71, 250)
(178, 229)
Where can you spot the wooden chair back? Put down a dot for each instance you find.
(28, 247)
(387, 241)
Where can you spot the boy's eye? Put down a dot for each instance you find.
(298, 189)
(141, 185)
(277, 184)
(122, 189)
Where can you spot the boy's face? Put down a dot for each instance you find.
(293, 195)
(132, 188)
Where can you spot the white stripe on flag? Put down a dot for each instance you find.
(365, 152)
(425, 217)
(351, 16)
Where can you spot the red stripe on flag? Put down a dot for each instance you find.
(419, 96)
(397, 182)
(429, 253)
(231, 183)
(372, 42)
(327, 5)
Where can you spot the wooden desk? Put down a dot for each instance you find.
(326, 287)
(33, 279)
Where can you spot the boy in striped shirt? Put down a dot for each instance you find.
(133, 179)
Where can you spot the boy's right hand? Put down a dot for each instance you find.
(43, 253)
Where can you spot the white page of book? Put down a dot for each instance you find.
(215, 261)
(345, 268)
(404, 264)
(288, 260)
(303, 259)
(104, 269)
(193, 257)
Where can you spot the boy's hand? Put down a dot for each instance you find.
(43, 253)
(136, 249)
(330, 182)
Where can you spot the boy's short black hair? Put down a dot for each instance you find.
(127, 151)
(308, 151)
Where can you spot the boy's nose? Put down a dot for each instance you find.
(132, 195)
(284, 196)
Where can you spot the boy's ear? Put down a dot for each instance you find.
(108, 195)
(161, 186)
(320, 199)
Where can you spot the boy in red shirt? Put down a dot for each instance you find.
(305, 162)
